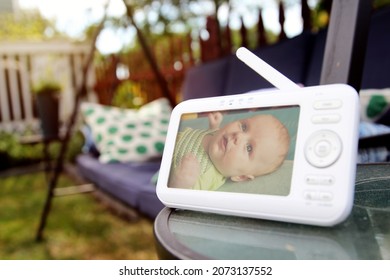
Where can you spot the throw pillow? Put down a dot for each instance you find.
(123, 135)
(374, 104)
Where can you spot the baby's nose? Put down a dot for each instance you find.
(237, 137)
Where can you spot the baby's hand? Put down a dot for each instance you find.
(215, 119)
(187, 173)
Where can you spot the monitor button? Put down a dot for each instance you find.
(320, 180)
(327, 104)
(325, 119)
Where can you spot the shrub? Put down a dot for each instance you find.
(15, 154)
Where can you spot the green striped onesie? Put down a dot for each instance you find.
(189, 141)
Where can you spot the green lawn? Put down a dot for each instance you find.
(78, 226)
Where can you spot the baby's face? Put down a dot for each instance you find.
(246, 147)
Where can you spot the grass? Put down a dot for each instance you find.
(78, 226)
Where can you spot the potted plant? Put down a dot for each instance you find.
(47, 100)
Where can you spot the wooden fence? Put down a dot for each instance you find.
(173, 57)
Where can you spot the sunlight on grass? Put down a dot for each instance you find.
(78, 226)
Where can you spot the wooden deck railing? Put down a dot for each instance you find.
(22, 65)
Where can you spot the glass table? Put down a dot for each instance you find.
(183, 234)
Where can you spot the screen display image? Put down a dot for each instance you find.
(245, 151)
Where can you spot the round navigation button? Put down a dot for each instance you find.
(323, 148)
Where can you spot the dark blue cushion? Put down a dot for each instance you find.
(128, 182)
(205, 80)
(313, 75)
(377, 59)
(288, 57)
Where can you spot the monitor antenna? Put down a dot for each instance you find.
(265, 70)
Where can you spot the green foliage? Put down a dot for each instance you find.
(31, 26)
(47, 87)
(14, 154)
(380, 3)
(164, 17)
(128, 95)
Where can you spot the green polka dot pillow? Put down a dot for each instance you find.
(123, 135)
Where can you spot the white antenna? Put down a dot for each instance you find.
(265, 70)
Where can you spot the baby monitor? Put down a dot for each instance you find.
(285, 155)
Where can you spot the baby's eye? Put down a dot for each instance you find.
(249, 148)
(244, 127)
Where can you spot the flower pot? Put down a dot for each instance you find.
(48, 112)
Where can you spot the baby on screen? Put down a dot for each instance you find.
(239, 151)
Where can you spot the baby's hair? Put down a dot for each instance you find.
(283, 140)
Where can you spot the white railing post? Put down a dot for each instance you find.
(23, 64)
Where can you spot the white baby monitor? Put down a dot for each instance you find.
(285, 155)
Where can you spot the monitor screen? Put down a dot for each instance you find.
(242, 150)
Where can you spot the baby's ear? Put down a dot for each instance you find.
(242, 178)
